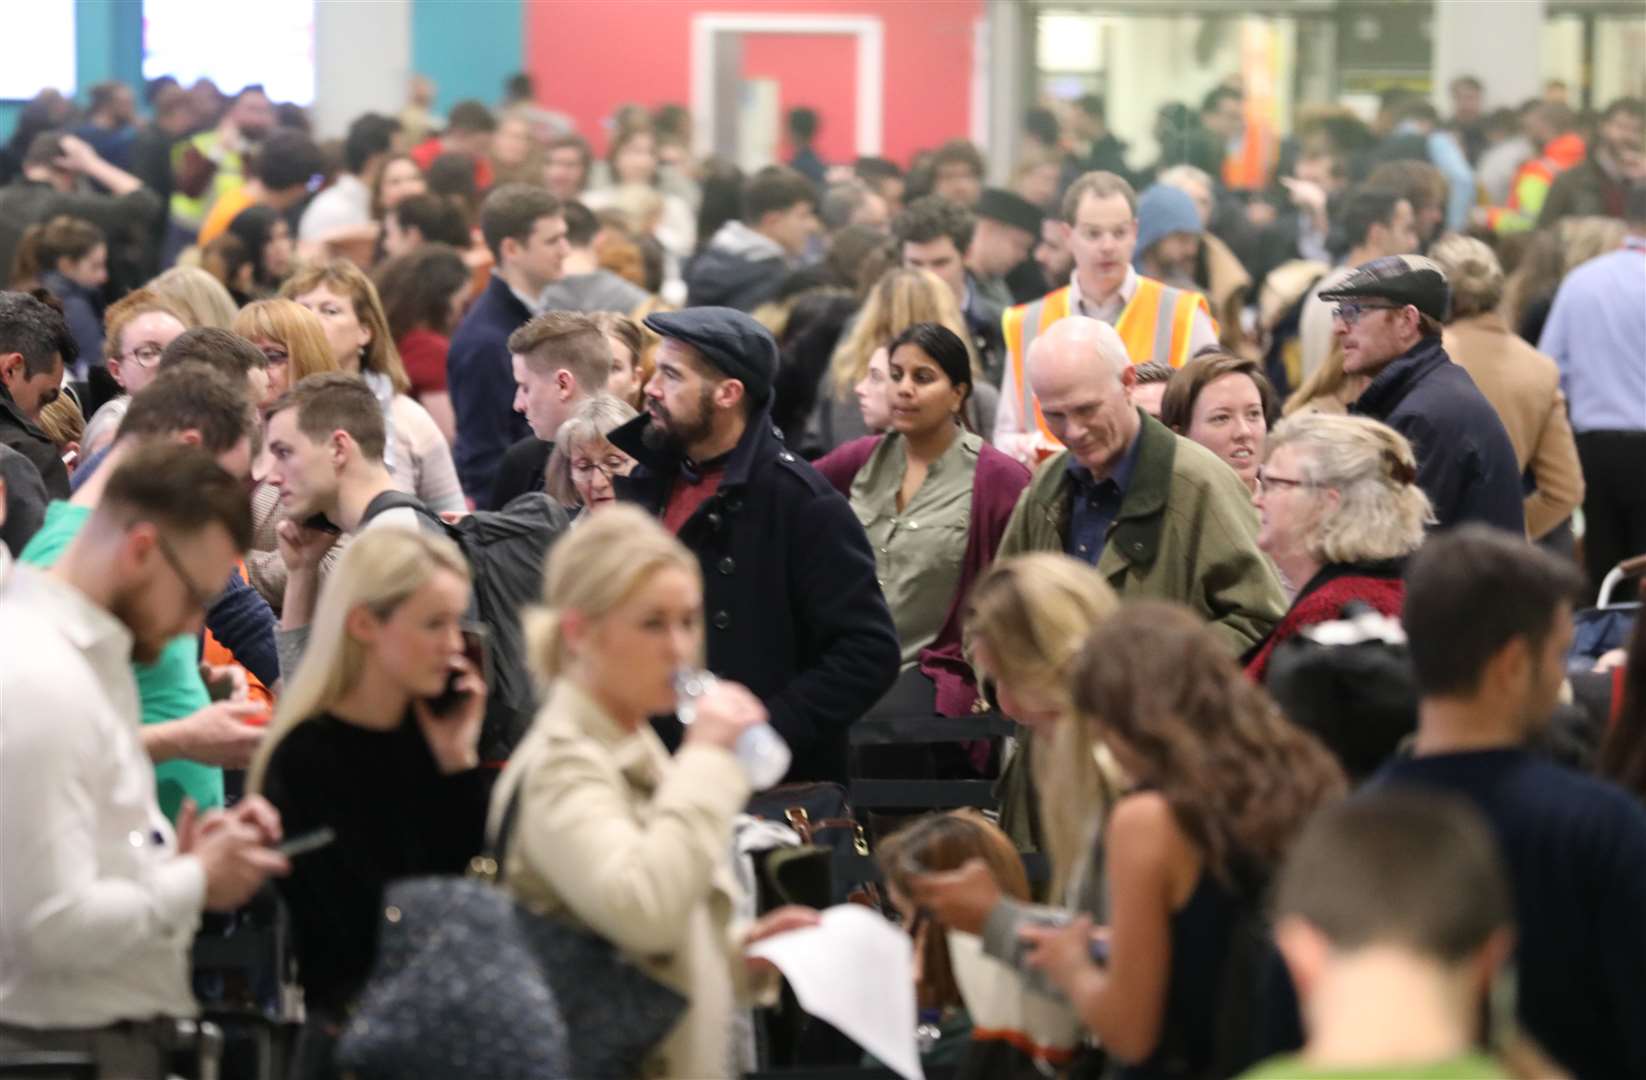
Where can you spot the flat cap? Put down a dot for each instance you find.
(1403, 279)
(1010, 208)
(733, 342)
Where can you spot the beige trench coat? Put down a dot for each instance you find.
(614, 835)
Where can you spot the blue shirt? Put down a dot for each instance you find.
(1446, 155)
(1096, 503)
(1596, 333)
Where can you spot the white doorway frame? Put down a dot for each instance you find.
(871, 66)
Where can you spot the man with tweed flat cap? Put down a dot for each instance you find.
(791, 606)
(1388, 317)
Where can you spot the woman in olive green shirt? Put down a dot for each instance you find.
(934, 499)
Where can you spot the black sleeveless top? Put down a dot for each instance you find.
(1229, 1002)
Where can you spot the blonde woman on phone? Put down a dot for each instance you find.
(374, 740)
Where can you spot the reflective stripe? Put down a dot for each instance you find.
(1183, 326)
(1139, 324)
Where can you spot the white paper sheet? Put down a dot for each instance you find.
(856, 971)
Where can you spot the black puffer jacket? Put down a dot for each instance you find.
(792, 607)
(739, 269)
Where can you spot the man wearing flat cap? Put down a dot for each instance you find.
(1388, 318)
(790, 601)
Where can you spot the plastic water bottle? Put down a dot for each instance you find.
(760, 750)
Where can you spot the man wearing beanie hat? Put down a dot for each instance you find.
(791, 604)
(1008, 227)
(1388, 319)
(1168, 236)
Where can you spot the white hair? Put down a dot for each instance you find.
(1085, 337)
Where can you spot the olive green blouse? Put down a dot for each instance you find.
(917, 552)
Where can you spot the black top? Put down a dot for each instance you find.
(524, 468)
(395, 816)
(1576, 853)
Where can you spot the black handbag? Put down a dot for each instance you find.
(469, 983)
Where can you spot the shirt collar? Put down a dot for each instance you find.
(86, 625)
(1128, 288)
(1121, 474)
(533, 304)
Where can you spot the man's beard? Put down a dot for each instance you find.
(673, 435)
(146, 647)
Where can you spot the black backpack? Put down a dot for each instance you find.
(506, 550)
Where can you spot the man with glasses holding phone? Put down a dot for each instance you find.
(188, 737)
(100, 897)
(1388, 319)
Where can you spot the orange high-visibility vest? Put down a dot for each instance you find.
(1156, 324)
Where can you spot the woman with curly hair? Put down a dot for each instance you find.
(1221, 785)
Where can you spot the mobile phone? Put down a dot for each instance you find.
(321, 523)
(475, 641)
(309, 841)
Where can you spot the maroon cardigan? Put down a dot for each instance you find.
(995, 487)
(1323, 603)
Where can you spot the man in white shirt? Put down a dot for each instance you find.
(342, 212)
(99, 898)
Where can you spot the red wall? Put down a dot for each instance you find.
(590, 57)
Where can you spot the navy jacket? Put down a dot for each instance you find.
(1465, 462)
(481, 383)
(1575, 849)
(792, 607)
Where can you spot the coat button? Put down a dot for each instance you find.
(722, 620)
(714, 521)
(786, 456)
(727, 565)
(1137, 547)
(733, 505)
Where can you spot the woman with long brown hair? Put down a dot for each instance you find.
(1221, 784)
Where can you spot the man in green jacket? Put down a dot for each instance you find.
(1158, 515)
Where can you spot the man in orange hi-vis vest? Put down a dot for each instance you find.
(1154, 320)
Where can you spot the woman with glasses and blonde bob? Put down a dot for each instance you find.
(359, 746)
(1340, 510)
(293, 342)
(610, 833)
(136, 330)
(581, 468)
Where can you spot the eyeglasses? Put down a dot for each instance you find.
(275, 355)
(145, 356)
(201, 598)
(1270, 482)
(1349, 314)
(615, 465)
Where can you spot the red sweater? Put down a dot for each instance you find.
(1325, 603)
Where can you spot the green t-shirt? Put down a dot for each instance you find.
(169, 689)
(1467, 1067)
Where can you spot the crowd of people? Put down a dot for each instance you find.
(395, 496)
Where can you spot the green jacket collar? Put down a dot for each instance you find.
(1135, 536)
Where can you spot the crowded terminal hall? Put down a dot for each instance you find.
(872, 540)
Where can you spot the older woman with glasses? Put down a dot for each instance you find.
(1340, 510)
(581, 468)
